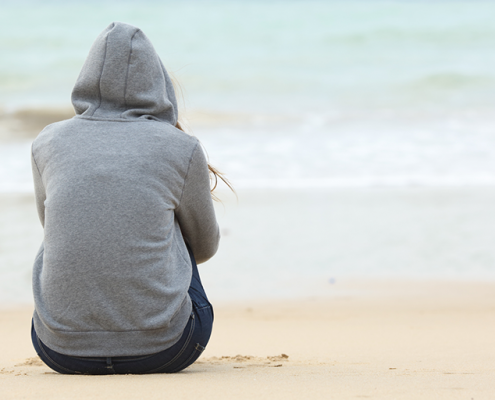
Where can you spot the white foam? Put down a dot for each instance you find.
(429, 153)
(15, 168)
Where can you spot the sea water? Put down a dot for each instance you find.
(305, 95)
(328, 93)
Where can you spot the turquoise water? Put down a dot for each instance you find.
(269, 56)
(330, 93)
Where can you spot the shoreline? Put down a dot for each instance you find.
(335, 238)
(407, 341)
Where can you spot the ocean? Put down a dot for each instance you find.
(307, 93)
(295, 96)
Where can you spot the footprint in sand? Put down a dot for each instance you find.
(6, 371)
(31, 362)
(28, 362)
(248, 361)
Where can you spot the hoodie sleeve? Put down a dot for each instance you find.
(195, 213)
(39, 190)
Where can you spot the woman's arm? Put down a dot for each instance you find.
(195, 213)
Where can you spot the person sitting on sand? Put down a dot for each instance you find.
(124, 198)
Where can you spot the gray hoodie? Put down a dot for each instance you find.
(119, 192)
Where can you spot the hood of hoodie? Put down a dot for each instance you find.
(123, 78)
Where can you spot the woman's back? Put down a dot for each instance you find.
(120, 191)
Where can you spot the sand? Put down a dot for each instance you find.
(400, 340)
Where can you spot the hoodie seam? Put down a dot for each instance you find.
(120, 119)
(127, 74)
(185, 178)
(101, 74)
(36, 164)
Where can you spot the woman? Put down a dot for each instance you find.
(124, 199)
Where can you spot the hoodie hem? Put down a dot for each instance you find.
(121, 119)
(114, 344)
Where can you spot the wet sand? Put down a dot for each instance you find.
(405, 341)
(293, 243)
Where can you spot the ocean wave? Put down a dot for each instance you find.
(414, 35)
(326, 150)
(25, 123)
(453, 81)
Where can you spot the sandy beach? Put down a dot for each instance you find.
(400, 340)
(404, 338)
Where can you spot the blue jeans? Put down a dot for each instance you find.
(174, 359)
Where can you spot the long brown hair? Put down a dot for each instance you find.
(215, 174)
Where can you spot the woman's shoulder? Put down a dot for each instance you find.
(49, 132)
